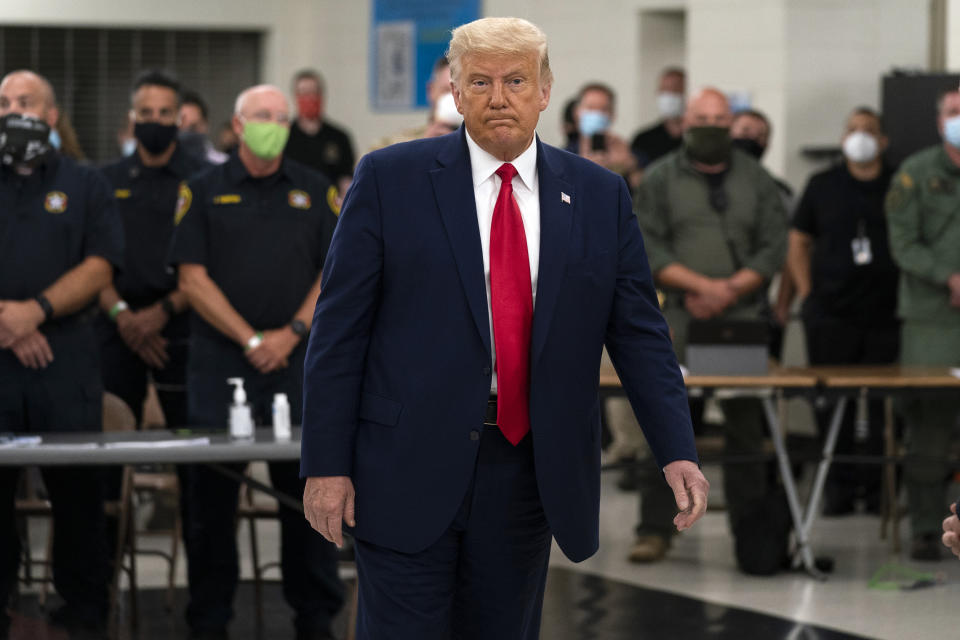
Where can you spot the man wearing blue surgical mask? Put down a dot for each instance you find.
(597, 142)
(924, 230)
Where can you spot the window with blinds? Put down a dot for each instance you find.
(92, 70)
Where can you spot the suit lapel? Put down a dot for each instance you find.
(556, 214)
(453, 187)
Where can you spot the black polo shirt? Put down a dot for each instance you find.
(329, 151)
(50, 221)
(262, 240)
(833, 209)
(651, 144)
(146, 198)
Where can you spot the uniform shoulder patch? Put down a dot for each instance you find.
(899, 192)
(332, 200)
(299, 199)
(906, 181)
(184, 200)
(55, 202)
(227, 198)
(121, 194)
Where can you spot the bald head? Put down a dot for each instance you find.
(28, 93)
(708, 108)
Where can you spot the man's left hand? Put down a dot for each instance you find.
(690, 490)
(18, 319)
(273, 352)
(951, 531)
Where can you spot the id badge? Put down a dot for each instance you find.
(862, 254)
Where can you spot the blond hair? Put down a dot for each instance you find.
(499, 37)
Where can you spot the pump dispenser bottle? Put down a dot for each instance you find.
(281, 417)
(241, 418)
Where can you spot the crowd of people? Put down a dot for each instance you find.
(862, 254)
(187, 262)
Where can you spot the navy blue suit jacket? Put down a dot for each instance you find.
(398, 366)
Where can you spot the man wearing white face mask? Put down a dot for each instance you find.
(840, 259)
(667, 134)
(924, 229)
(597, 142)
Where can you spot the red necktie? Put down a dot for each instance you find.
(511, 304)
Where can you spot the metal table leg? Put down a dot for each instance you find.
(282, 498)
(790, 487)
(816, 493)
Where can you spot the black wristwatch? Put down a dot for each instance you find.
(299, 328)
(167, 305)
(46, 306)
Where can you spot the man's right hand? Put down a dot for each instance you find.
(33, 351)
(327, 504)
(954, 283)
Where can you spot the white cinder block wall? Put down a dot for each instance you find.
(804, 62)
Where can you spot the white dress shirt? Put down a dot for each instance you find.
(526, 192)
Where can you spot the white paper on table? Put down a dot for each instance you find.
(18, 442)
(158, 444)
(955, 372)
(65, 446)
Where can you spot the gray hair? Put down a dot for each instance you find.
(246, 93)
(499, 36)
(46, 89)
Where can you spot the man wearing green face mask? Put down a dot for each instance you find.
(250, 242)
(715, 231)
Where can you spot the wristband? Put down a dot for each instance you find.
(168, 308)
(45, 306)
(255, 341)
(117, 308)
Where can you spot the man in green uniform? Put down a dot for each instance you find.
(715, 231)
(923, 218)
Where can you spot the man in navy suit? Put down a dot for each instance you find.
(451, 417)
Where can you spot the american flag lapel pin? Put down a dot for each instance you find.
(564, 198)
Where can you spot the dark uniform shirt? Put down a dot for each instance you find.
(50, 221)
(263, 241)
(146, 198)
(836, 209)
(651, 144)
(329, 151)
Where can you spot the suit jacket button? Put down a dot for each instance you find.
(486, 371)
(474, 435)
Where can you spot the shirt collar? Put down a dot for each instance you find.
(484, 165)
(237, 172)
(178, 164)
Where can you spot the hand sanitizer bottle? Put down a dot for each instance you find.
(281, 417)
(241, 418)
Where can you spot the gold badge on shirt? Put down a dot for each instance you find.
(299, 199)
(55, 202)
(121, 194)
(184, 200)
(333, 201)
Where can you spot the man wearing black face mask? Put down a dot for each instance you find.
(715, 231)
(143, 328)
(751, 131)
(59, 242)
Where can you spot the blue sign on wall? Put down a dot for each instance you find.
(407, 37)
